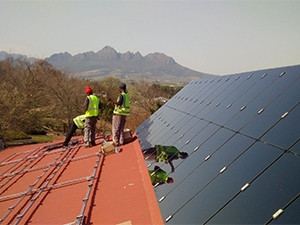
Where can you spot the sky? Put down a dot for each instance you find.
(218, 37)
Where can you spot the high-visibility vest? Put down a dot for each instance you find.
(164, 153)
(93, 107)
(158, 176)
(79, 121)
(123, 109)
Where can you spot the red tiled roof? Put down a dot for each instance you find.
(76, 185)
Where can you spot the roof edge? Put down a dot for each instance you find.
(154, 209)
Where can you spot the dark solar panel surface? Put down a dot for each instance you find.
(242, 134)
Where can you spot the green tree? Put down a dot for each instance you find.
(37, 98)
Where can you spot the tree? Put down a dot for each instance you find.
(37, 98)
(148, 96)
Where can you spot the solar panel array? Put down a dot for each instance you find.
(241, 132)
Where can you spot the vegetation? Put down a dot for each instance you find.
(36, 98)
(43, 138)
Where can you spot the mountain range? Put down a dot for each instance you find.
(154, 67)
(4, 55)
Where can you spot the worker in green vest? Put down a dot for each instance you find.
(166, 154)
(159, 176)
(77, 123)
(91, 106)
(120, 113)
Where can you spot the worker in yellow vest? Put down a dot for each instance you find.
(91, 106)
(159, 176)
(121, 112)
(166, 154)
(77, 123)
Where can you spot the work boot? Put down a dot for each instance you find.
(118, 149)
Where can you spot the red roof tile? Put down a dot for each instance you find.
(57, 186)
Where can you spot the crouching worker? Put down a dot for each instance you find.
(159, 176)
(77, 123)
(166, 154)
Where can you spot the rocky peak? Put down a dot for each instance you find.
(108, 53)
(60, 56)
(159, 58)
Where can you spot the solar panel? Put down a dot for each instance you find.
(241, 132)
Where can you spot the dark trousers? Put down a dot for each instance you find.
(150, 154)
(70, 134)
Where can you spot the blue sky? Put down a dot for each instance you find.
(216, 37)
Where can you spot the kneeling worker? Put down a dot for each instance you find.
(78, 123)
(166, 154)
(159, 176)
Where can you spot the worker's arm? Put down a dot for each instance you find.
(118, 103)
(86, 104)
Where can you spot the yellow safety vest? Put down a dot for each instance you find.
(93, 108)
(123, 109)
(79, 121)
(158, 176)
(164, 153)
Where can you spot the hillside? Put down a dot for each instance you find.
(4, 55)
(126, 66)
(154, 67)
(37, 99)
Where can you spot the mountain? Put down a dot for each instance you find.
(154, 67)
(126, 66)
(4, 55)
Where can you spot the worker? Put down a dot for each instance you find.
(159, 176)
(77, 123)
(166, 154)
(91, 106)
(120, 113)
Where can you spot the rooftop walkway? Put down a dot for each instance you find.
(45, 184)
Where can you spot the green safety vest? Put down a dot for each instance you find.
(164, 153)
(79, 121)
(158, 176)
(93, 107)
(124, 109)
